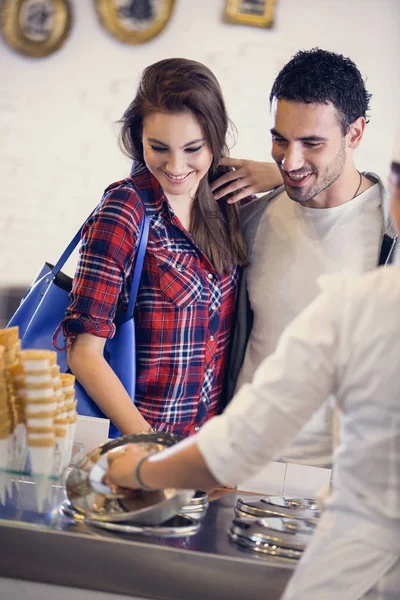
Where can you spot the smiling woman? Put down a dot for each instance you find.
(177, 154)
(175, 131)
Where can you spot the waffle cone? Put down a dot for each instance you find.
(67, 379)
(4, 410)
(42, 414)
(44, 430)
(61, 432)
(16, 369)
(9, 336)
(55, 370)
(5, 428)
(61, 421)
(40, 400)
(11, 356)
(40, 442)
(39, 373)
(39, 386)
(40, 393)
(33, 354)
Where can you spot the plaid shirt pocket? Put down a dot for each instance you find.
(179, 281)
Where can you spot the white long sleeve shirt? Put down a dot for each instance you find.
(347, 342)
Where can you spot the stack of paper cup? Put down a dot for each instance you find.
(5, 427)
(10, 341)
(40, 406)
(68, 388)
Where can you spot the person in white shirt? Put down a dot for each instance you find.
(346, 343)
(326, 218)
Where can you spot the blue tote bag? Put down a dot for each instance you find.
(43, 308)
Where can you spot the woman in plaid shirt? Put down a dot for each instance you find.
(174, 130)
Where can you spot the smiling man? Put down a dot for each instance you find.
(326, 218)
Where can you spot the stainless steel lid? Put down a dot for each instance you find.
(197, 506)
(178, 526)
(278, 506)
(240, 533)
(95, 501)
(286, 533)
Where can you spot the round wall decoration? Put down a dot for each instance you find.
(134, 21)
(35, 28)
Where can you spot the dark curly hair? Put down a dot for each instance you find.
(318, 76)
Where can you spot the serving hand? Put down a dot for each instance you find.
(122, 465)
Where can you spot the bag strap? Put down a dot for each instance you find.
(69, 249)
(140, 254)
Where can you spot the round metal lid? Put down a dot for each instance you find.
(198, 504)
(97, 502)
(278, 506)
(270, 549)
(282, 532)
(178, 526)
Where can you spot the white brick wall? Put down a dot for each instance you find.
(58, 142)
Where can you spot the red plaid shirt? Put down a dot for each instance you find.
(183, 311)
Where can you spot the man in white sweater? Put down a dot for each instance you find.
(326, 218)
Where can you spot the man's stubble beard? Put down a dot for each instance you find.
(323, 182)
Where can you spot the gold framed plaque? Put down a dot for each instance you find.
(134, 21)
(259, 13)
(35, 28)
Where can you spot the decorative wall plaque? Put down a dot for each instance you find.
(134, 21)
(250, 12)
(35, 28)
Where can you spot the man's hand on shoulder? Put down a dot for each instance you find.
(249, 177)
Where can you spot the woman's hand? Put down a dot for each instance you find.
(122, 463)
(249, 177)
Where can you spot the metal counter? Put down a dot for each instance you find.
(49, 547)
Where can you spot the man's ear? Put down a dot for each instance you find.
(356, 132)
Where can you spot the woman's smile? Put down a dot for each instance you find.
(176, 152)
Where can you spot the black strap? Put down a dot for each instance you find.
(386, 247)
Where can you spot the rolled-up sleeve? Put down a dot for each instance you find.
(287, 388)
(108, 248)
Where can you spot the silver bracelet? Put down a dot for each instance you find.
(136, 474)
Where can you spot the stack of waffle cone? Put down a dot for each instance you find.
(60, 425)
(70, 415)
(37, 391)
(12, 346)
(5, 426)
(40, 404)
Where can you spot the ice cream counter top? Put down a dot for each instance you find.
(50, 547)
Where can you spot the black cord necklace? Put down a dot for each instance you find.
(359, 185)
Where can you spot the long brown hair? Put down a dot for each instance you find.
(177, 85)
